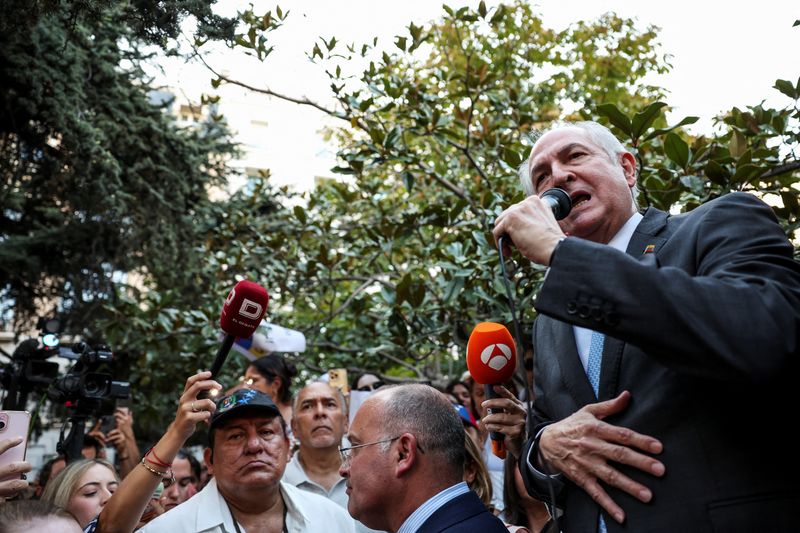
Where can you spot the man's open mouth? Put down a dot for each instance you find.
(579, 199)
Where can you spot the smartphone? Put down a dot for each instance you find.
(107, 423)
(337, 377)
(14, 424)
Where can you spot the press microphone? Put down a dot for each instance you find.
(491, 360)
(241, 314)
(558, 201)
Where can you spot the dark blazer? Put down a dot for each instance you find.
(703, 332)
(463, 514)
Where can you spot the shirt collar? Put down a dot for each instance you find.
(623, 237)
(212, 510)
(424, 511)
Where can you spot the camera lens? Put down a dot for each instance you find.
(2, 425)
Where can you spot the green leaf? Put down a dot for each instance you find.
(737, 144)
(392, 137)
(716, 172)
(643, 119)
(482, 9)
(616, 117)
(401, 43)
(453, 289)
(685, 121)
(416, 294)
(498, 15)
(300, 213)
(402, 290)
(677, 150)
(786, 88)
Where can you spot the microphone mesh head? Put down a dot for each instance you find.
(491, 353)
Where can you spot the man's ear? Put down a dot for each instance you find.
(293, 424)
(628, 163)
(406, 454)
(208, 458)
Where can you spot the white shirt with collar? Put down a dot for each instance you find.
(583, 336)
(207, 512)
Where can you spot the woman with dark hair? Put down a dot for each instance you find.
(272, 375)
(366, 382)
(461, 392)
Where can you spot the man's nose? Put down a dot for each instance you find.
(561, 175)
(254, 442)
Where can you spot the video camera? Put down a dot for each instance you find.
(88, 388)
(29, 370)
(85, 387)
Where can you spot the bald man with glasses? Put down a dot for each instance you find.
(405, 466)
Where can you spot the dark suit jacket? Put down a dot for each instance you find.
(703, 332)
(463, 514)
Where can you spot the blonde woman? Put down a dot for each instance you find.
(83, 488)
(475, 473)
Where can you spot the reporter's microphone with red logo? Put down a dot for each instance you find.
(241, 314)
(491, 360)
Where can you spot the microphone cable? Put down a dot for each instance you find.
(551, 505)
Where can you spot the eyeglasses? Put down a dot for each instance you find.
(347, 453)
(371, 387)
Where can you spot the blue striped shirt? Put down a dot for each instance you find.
(424, 511)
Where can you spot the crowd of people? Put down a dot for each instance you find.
(278, 461)
(650, 326)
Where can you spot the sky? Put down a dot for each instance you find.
(722, 56)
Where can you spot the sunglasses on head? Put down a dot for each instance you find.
(371, 387)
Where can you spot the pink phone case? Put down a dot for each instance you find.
(14, 424)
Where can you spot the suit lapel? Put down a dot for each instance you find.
(645, 233)
(644, 245)
(569, 362)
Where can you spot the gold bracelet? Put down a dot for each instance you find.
(153, 470)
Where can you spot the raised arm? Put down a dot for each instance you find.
(123, 510)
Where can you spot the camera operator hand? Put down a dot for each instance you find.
(123, 510)
(124, 440)
(11, 487)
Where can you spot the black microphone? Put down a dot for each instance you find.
(558, 201)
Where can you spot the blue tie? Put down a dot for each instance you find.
(595, 358)
(593, 373)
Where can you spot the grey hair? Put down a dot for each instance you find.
(598, 133)
(338, 391)
(428, 415)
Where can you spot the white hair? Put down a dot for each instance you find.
(599, 134)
